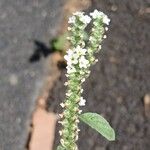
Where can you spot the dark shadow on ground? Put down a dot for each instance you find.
(41, 50)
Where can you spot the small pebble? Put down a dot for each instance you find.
(114, 7)
(143, 11)
(13, 79)
(44, 13)
(147, 105)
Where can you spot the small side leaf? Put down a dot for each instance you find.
(98, 123)
(58, 43)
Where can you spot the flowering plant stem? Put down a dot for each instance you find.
(79, 59)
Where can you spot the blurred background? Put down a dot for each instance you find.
(32, 73)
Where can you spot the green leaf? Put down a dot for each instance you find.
(98, 123)
(59, 42)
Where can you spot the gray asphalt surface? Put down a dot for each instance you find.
(22, 22)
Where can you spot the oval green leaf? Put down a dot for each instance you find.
(98, 123)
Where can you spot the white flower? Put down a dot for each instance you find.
(72, 19)
(80, 51)
(99, 47)
(62, 105)
(68, 59)
(106, 20)
(81, 90)
(75, 61)
(77, 120)
(82, 102)
(68, 38)
(85, 19)
(83, 62)
(78, 130)
(96, 14)
(74, 57)
(80, 111)
(91, 38)
(76, 138)
(106, 28)
(66, 83)
(61, 115)
(96, 60)
(70, 69)
(60, 133)
(104, 36)
(68, 94)
(69, 28)
(82, 80)
(69, 55)
(62, 142)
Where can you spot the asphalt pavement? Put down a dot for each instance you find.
(25, 27)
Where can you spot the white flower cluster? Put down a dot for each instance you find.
(83, 18)
(98, 14)
(76, 58)
(86, 19)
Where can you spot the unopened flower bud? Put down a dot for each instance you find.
(62, 105)
(60, 133)
(61, 115)
(106, 28)
(104, 36)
